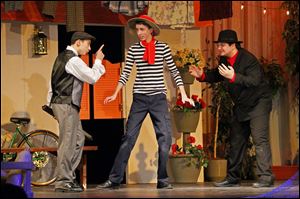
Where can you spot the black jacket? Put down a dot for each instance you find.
(250, 91)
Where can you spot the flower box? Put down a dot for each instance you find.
(186, 121)
(186, 77)
(181, 172)
(284, 172)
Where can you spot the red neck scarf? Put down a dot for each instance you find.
(149, 54)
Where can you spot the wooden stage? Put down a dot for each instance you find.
(281, 189)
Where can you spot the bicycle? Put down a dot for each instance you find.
(44, 172)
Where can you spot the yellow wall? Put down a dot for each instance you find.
(24, 76)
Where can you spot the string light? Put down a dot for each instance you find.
(264, 9)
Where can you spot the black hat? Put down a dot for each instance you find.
(228, 36)
(81, 36)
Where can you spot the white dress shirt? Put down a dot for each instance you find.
(77, 67)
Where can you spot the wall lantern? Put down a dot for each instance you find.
(39, 42)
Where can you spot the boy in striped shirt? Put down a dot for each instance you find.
(149, 96)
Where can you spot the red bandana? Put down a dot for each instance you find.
(149, 54)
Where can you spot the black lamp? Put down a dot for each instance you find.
(39, 42)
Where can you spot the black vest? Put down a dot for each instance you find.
(61, 82)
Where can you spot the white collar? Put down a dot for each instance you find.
(71, 48)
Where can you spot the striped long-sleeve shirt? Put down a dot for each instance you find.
(150, 77)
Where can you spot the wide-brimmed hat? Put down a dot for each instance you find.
(82, 36)
(148, 20)
(228, 36)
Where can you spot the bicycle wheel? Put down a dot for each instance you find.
(45, 162)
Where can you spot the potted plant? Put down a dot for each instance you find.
(221, 110)
(186, 116)
(186, 164)
(186, 57)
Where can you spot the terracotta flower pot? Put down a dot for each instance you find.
(186, 121)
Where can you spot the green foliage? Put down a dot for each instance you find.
(291, 37)
(195, 154)
(221, 95)
(249, 162)
(274, 74)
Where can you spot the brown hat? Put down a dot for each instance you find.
(148, 20)
(81, 36)
(228, 36)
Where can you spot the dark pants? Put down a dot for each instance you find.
(258, 126)
(156, 106)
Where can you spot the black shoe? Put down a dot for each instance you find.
(163, 185)
(108, 185)
(77, 186)
(261, 183)
(68, 187)
(227, 183)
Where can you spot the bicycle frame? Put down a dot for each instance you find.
(11, 156)
(22, 134)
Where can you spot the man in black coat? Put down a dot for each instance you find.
(243, 77)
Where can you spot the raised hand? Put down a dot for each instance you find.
(195, 71)
(99, 53)
(226, 71)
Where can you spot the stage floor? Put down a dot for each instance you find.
(281, 189)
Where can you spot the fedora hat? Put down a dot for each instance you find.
(228, 36)
(148, 20)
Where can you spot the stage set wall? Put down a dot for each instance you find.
(25, 82)
(25, 78)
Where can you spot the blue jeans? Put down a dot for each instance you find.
(157, 107)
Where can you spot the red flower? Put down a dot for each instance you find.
(174, 148)
(179, 102)
(187, 105)
(195, 97)
(199, 104)
(191, 150)
(191, 139)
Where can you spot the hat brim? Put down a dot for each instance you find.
(131, 23)
(228, 41)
